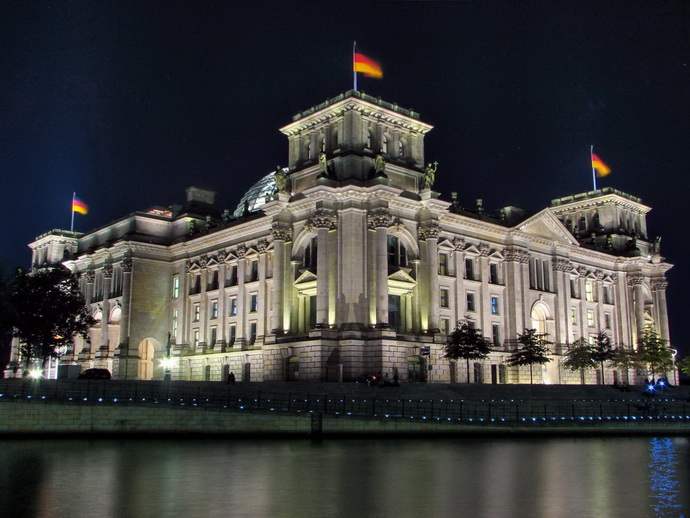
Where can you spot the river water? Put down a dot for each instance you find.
(515, 477)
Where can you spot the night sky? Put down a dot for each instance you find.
(129, 103)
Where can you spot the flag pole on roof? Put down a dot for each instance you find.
(365, 65)
(599, 168)
(354, 62)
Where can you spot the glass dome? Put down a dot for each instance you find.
(255, 197)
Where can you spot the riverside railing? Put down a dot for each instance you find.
(661, 408)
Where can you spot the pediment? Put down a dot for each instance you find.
(546, 225)
(305, 276)
(401, 275)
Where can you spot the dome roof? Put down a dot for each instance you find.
(255, 197)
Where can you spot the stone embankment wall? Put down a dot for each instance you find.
(38, 418)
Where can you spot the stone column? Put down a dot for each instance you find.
(636, 280)
(460, 293)
(125, 364)
(561, 280)
(281, 233)
(323, 221)
(262, 324)
(89, 276)
(429, 233)
(659, 290)
(380, 220)
(240, 338)
(517, 261)
(107, 290)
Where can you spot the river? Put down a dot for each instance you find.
(513, 477)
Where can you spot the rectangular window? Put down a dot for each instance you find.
(469, 268)
(607, 295)
(254, 271)
(471, 324)
(493, 273)
(494, 305)
(197, 312)
(573, 316)
(443, 264)
(252, 333)
(589, 291)
(174, 324)
(445, 326)
(232, 334)
(233, 276)
(176, 287)
(214, 309)
(546, 266)
(470, 302)
(607, 320)
(496, 335)
(196, 337)
(253, 303)
(214, 335)
(233, 305)
(590, 318)
(574, 290)
(445, 298)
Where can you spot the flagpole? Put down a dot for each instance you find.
(354, 72)
(591, 160)
(71, 227)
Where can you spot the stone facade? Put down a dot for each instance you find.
(354, 265)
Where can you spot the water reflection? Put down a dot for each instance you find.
(512, 477)
(663, 476)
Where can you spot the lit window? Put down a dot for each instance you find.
(214, 309)
(445, 298)
(233, 305)
(443, 264)
(494, 305)
(176, 287)
(254, 303)
(196, 337)
(197, 312)
(590, 318)
(445, 326)
(589, 291)
(573, 316)
(174, 324)
(470, 302)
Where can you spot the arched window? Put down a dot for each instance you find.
(401, 149)
(323, 144)
(367, 138)
(310, 254)
(384, 144)
(569, 225)
(310, 151)
(397, 254)
(595, 221)
(538, 318)
(582, 226)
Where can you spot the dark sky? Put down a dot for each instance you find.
(129, 103)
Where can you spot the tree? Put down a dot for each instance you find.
(466, 343)
(580, 358)
(653, 350)
(533, 348)
(50, 312)
(602, 351)
(624, 358)
(684, 365)
(6, 319)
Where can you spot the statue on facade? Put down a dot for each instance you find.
(281, 180)
(429, 175)
(323, 164)
(656, 246)
(379, 165)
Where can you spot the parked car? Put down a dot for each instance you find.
(95, 374)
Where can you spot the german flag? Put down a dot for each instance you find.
(599, 166)
(79, 206)
(367, 66)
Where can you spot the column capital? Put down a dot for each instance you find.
(241, 251)
(635, 279)
(659, 284)
(429, 230)
(484, 249)
(379, 218)
(516, 255)
(562, 265)
(323, 218)
(126, 264)
(281, 231)
(262, 246)
(89, 275)
(107, 271)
